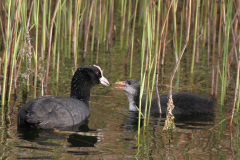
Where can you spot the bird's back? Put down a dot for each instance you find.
(185, 103)
(53, 112)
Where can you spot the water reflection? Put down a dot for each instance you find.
(199, 121)
(78, 136)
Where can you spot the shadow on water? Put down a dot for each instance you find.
(77, 136)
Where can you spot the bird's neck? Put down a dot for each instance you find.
(133, 102)
(81, 93)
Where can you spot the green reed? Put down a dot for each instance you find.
(174, 9)
(99, 28)
(16, 47)
(225, 53)
(133, 31)
(213, 48)
(49, 14)
(69, 28)
(6, 51)
(44, 23)
(195, 36)
(219, 49)
(158, 26)
(36, 21)
(75, 35)
(128, 21)
(148, 62)
(143, 75)
(64, 6)
(94, 26)
(150, 66)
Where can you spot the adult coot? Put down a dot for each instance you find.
(185, 103)
(50, 111)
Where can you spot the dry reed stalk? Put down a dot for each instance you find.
(99, 28)
(161, 33)
(15, 78)
(164, 44)
(164, 41)
(217, 70)
(168, 122)
(234, 32)
(237, 77)
(0, 66)
(3, 35)
(193, 18)
(159, 51)
(184, 47)
(236, 88)
(213, 49)
(232, 50)
(236, 3)
(49, 45)
(74, 40)
(0, 74)
(235, 49)
(88, 29)
(186, 13)
(156, 49)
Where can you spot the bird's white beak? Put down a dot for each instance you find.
(104, 81)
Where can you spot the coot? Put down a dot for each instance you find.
(50, 111)
(185, 103)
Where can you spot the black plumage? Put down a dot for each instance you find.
(185, 103)
(50, 111)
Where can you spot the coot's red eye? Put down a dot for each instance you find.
(97, 73)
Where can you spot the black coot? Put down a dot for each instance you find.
(50, 111)
(185, 103)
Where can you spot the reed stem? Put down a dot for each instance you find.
(6, 53)
(133, 31)
(195, 36)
